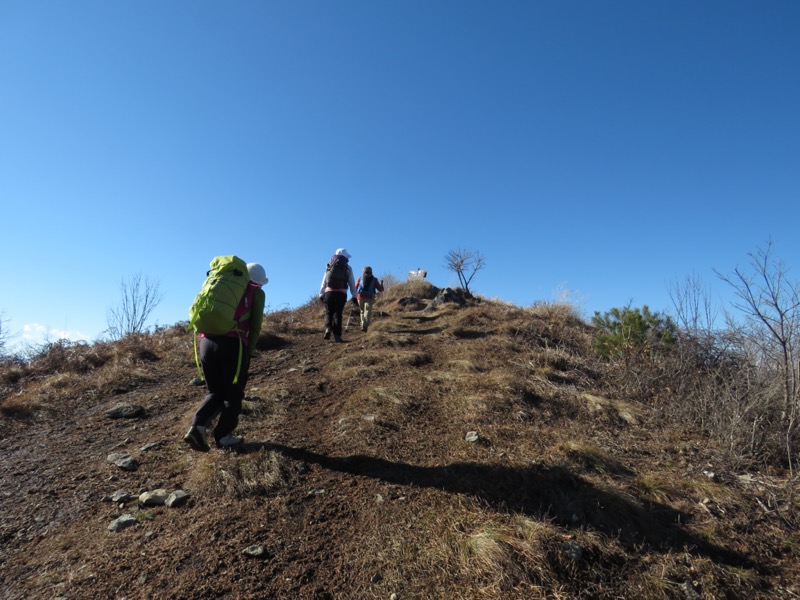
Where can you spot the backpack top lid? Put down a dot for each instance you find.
(337, 272)
(230, 262)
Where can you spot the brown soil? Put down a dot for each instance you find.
(358, 482)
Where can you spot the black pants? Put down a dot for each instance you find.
(219, 355)
(334, 307)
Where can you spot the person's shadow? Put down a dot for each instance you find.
(536, 491)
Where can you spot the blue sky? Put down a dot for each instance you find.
(606, 148)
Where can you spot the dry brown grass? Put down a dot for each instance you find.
(262, 473)
(422, 290)
(368, 488)
(588, 457)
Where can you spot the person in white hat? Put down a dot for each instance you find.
(225, 377)
(337, 280)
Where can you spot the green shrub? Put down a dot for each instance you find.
(624, 332)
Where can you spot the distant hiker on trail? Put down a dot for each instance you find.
(337, 280)
(225, 357)
(367, 287)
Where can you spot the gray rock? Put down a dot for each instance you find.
(123, 461)
(125, 410)
(121, 496)
(472, 436)
(176, 498)
(122, 522)
(154, 498)
(447, 295)
(128, 464)
(688, 590)
(572, 550)
(255, 551)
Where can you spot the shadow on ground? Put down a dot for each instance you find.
(536, 491)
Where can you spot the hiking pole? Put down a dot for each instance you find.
(350, 316)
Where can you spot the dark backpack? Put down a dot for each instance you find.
(337, 272)
(367, 286)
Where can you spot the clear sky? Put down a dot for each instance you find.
(606, 148)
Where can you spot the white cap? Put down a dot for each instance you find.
(257, 273)
(343, 252)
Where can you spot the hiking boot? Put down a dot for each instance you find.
(338, 338)
(327, 335)
(196, 438)
(229, 441)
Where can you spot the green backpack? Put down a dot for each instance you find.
(214, 308)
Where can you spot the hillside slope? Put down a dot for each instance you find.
(357, 479)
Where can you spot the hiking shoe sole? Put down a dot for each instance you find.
(230, 441)
(196, 442)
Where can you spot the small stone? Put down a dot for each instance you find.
(154, 498)
(123, 461)
(572, 551)
(122, 522)
(120, 496)
(125, 410)
(150, 446)
(689, 592)
(255, 551)
(176, 498)
(472, 436)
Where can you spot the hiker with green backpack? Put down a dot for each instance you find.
(337, 280)
(226, 316)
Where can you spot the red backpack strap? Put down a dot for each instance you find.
(246, 303)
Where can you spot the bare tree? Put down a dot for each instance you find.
(388, 280)
(693, 307)
(465, 264)
(770, 303)
(140, 296)
(4, 335)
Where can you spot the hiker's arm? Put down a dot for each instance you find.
(378, 285)
(256, 319)
(352, 283)
(323, 285)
